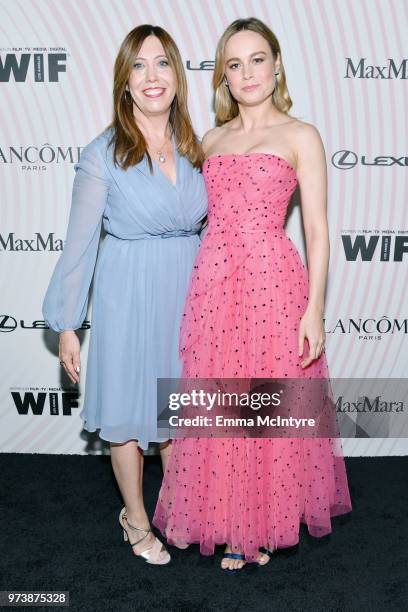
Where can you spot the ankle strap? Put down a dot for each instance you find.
(147, 531)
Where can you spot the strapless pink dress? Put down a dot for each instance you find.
(248, 292)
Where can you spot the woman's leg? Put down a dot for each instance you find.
(127, 463)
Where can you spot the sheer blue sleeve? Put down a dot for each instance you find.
(66, 300)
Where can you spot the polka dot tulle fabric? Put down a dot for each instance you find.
(248, 292)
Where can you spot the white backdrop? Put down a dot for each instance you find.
(347, 74)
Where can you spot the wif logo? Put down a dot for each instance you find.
(389, 248)
(53, 403)
(40, 66)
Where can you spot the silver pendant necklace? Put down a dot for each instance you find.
(161, 156)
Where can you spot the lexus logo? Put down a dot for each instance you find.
(203, 65)
(344, 160)
(7, 323)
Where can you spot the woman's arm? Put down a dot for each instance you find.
(66, 299)
(312, 177)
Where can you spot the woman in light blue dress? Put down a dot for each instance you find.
(140, 179)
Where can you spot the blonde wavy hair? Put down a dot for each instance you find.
(128, 141)
(225, 107)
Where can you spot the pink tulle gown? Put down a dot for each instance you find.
(248, 292)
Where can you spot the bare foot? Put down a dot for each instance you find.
(232, 564)
(263, 558)
(181, 545)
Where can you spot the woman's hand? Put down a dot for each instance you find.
(69, 354)
(312, 328)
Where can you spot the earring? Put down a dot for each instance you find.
(128, 99)
(226, 83)
(276, 73)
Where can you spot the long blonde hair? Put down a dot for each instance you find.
(129, 143)
(225, 107)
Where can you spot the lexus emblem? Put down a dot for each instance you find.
(7, 323)
(344, 160)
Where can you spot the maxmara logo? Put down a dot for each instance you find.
(36, 64)
(361, 69)
(367, 404)
(345, 160)
(40, 242)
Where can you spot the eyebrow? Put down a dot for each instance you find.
(157, 56)
(252, 54)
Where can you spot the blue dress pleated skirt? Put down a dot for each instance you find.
(141, 272)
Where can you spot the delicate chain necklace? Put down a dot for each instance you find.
(161, 156)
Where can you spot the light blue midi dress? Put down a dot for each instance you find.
(140, 275)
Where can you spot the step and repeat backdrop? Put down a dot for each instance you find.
(347, 69)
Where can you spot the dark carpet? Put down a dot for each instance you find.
(59, 531)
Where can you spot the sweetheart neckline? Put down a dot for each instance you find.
(249, 155)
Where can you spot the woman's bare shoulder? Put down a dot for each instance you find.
(304, 131)
(304, 137)
(215, 137)
(306, 143)
(211, 138)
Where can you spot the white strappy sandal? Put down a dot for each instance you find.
(155, 554)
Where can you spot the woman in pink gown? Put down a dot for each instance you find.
(251, 307)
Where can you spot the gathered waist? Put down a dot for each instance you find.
(236, 231)
(170, 234)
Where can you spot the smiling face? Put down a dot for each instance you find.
(250, 67)
(152, 82)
